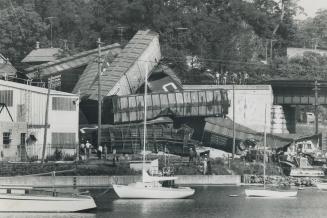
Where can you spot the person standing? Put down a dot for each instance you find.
(246, 77)
(234, 78)
(82, 150)
(105, 151)
(191, 155)
(239, 75)
(114, 156)
(225, 78)
(205, 165)
(217, 78)
(99, 152)
(88, 147)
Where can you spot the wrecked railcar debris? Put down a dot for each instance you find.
(177, 104)
(161, 136)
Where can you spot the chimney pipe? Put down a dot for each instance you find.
(37, 45)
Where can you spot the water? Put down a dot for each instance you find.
(209, 201)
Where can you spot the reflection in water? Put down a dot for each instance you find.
(47, 215)
(147, 206)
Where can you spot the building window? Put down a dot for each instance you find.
(6, 139)
(63, 104)
(63, 140)
(6, 97)
(22, 138)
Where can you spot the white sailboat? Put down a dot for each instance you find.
(150, 186)
(28, 199)
(267, 193)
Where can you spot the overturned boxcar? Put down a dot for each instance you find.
(202, 103)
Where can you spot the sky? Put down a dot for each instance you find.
(311, 6)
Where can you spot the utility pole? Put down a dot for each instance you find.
(46, 122)
(50, 20)
(316, 89)
(234, 139)
(99, 92)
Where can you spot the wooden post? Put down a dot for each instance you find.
(316, 89)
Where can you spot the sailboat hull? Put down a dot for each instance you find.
(145, 192)
(22, 203)
(269, 193)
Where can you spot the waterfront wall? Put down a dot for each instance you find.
(209, 180)
(102, 181)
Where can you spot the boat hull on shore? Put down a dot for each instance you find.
(146, 191)
(25, 203)
(322, 186)
(264, 193)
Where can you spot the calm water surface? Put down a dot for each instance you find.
(209, 201)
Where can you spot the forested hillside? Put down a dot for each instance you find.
(233, 35)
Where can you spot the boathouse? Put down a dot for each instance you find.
(23, 121)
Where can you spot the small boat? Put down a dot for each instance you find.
(322, 186)
(151, 188)
(269, 193)
(28, 199)
(307, 172)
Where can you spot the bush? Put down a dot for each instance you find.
(69, 157)
(57, 155)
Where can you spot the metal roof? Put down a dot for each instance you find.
(89, 76)
(42, 55)
(7, 69)
(74, 61)
(127, 59)
(33, 88)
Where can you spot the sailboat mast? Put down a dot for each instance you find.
(264, 149)
(99, 93)
(145, 115)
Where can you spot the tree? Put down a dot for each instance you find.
(19, 31)
(312, 32)
(221, 33)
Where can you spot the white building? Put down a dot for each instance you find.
(27, 105)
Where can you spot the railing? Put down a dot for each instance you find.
(24, 81)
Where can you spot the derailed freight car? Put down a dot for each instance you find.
(204, 103)
(161, 136)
